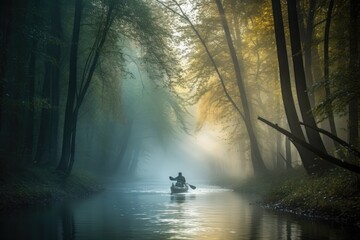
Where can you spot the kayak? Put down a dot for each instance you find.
(177, 189)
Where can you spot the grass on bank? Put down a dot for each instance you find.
(33, 185)
(334, 195)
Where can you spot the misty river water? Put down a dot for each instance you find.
(149, 211)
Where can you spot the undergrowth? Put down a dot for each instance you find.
(33, 185)
(333, 195)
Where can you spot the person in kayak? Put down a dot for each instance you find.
(180, 180)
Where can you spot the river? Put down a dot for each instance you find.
(148, 211)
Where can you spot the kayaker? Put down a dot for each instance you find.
(180, 180)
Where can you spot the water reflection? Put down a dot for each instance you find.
(182, 197)
(68, 223)
(149, 212)
(178, 198)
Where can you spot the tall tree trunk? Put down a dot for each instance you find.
(72, 108)
(278, 162)
(354, 71)
(14, 136)
(5, 32)
(55, 90)
(135, 160)
(300, 82)
(257, 161)
(308, 39)
(288, 153)
(31, 84)
(49, 116)
(124, 145)
(42, 150)
(5, 23)
(69, 111)
(329, 112)
(279, 147)
(73, 141)
(29, 135)
(306, 156)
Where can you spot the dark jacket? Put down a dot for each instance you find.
(180, 179)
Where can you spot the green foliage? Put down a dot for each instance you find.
(345, 87)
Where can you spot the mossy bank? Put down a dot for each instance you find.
(31, 186)
(332, 196)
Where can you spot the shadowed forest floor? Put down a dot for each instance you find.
(33, 185)
(333, 196)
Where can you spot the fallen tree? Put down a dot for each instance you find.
(336, 138)
(321, 154)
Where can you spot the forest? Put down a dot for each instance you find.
(106, 87)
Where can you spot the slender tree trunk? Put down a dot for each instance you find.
(330, 114)
(5, 32)
(124, 145)
(306, 156)
(49, 91)
(279, 147)
(288, 153)
(42, 150)
(354, 71)
(73, 141)
(278, 162)
(308, 48)
(68, 223)
(256, 158)
(236, 33)
(31, 85)
(16, 90)
(55, 98)
(5, 23)
(300, 82)
(129, 160)
(29, 142)
(69, 111)
(72, 108)
(135, 160)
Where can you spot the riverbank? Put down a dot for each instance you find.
(31, 186)
(333, 196)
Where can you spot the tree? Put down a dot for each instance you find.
(70, 118)
(5, 31)
(237, 89)
(47, 145)
(31, 78)
(354, 72)
(308, 44)
(307, 157)
(15, 88)
(324, 156)
(340, 67)
(256, 158)
(300, 82)
(134, 21)
(330, 113)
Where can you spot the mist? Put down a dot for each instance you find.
(103, 103)
(165, 143)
